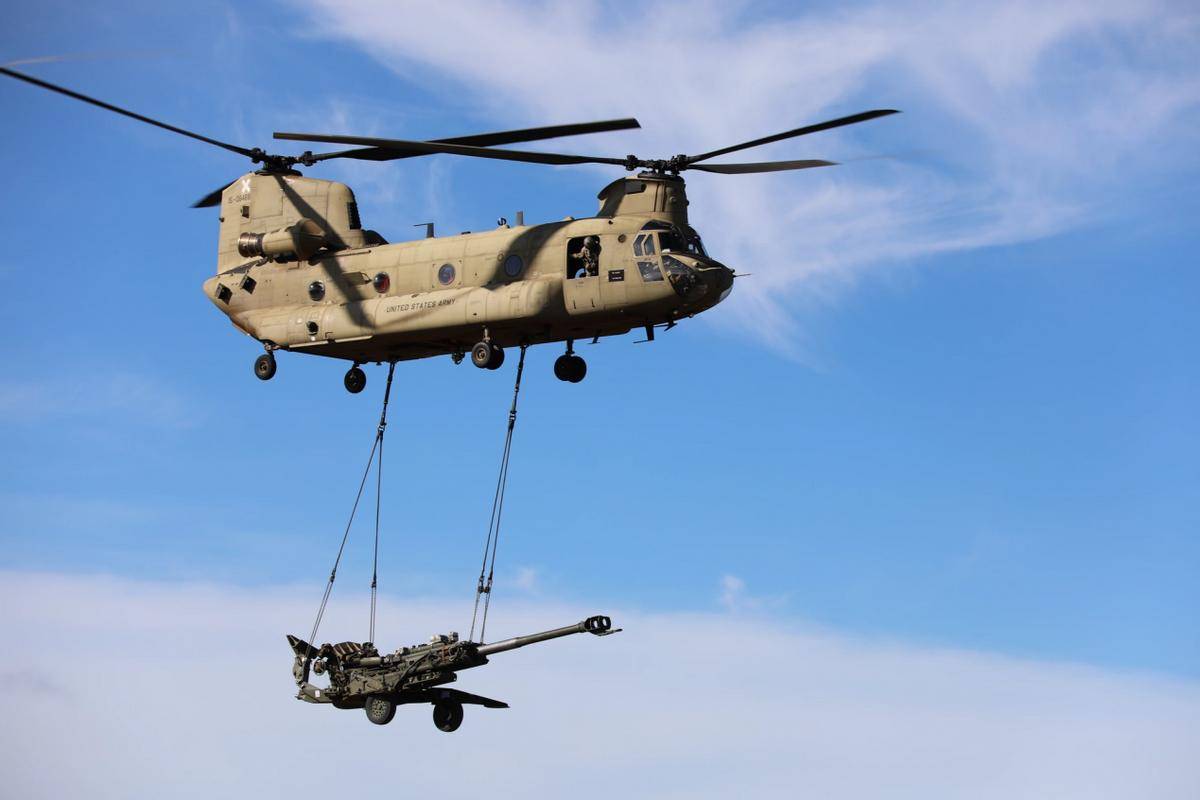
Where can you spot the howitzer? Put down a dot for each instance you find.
(361, 677)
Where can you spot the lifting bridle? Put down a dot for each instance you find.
(483, 589)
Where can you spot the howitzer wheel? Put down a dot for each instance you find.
(447, 715)
(380, 710)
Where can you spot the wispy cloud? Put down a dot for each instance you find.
(1042, 117)
(128, 394)
(734, 597)
(127, 687)
(526, 580)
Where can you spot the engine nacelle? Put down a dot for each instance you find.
(301, 240)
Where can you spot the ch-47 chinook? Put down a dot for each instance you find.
(297, 271)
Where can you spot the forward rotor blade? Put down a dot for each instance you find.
(417, 148)
(490, 139)
(544, 132)
(125, 112)
(760, 166)
(820, 126)
(212, 198)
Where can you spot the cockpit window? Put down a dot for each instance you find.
(650, 271)
(674, 267)
(694, 244)
(671, 240)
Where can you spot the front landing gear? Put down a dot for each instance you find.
(264, 366)
(570, 367)
(355, 380)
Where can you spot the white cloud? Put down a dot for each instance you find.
(1042, 117)
(123, 689)
(526, 579)
(98, 395)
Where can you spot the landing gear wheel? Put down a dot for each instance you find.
(562, 367)
(570, 368)
(380, 709)
(447, 715)
(481, 355)
(497, 357)
(264, 367)
(578, 369)
(355, 380)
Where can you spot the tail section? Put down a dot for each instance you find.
(257, 204)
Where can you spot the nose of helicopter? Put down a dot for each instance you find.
(717, 280)
(723, 282)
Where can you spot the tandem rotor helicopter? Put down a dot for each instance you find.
(297, 271)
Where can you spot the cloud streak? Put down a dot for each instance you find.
(1041, 117)
(100, 396)
(124, 688)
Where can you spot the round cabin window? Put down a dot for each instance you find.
(316, 290)
(382, 283)
(446, 274)
(513, 265)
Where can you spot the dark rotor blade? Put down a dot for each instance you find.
(212, 198)
(416, 148)
(820, 126)
(760, 166)
(544, 132)
(491, 139)
(124, 112)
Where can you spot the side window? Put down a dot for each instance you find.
(637, 245)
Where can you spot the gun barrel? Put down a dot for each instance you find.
(598, 625)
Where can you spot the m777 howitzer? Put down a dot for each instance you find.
(360, 677)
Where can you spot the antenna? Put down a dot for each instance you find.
(428, 228)
(520, 219)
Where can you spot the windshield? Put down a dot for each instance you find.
(671, 240)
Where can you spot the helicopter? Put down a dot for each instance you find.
(298, 272)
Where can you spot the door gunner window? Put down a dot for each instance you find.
(583, 257)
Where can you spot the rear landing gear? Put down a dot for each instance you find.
(447, 715)
(355, 380)
(264, 367)
(486, 355)
(570, 367)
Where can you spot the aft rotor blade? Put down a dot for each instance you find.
(761, 166)
(820, 126)
(491, 139)
(417, 148)
(124, 112)
(212, 198)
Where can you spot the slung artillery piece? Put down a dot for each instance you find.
(360, 677)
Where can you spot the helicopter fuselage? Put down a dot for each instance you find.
(638, 265)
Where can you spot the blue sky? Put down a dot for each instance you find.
(953, 408)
